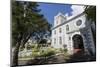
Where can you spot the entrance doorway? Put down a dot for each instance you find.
(78, 43)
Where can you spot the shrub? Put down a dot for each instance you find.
(47, 52)
(43, 52)
(65, 50)
(21, 49)
(35, 54)
(28, 47)
(35, 49)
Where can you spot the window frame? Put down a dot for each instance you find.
(60, 30)
(67, 27)
(54, 40)
(60, 40)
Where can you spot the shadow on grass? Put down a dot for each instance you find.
(77, 57)
(81, 57)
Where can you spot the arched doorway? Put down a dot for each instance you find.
(78, 43)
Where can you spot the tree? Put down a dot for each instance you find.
(27, 21)
(42, 43)
(91, 13)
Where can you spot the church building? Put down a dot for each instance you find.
(73, 33)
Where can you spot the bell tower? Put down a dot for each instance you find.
(59, 19)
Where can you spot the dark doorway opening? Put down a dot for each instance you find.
(78, 43)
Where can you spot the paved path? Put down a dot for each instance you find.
(58, 59)
(49, 60)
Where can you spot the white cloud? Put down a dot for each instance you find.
(76, 9)
(66, 14)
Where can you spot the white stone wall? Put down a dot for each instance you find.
(73, 29)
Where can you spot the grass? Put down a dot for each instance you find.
(46, 52)
(43, 52)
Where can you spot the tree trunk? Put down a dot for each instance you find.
(15, 55)
(25, 40)
(16, 50)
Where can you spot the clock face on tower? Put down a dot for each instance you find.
(79, 22)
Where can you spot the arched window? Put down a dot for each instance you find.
(54, 40)
(67, 27)
(69, 38)
(60, 30)
(60, 40)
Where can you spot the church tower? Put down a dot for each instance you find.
(59, 19)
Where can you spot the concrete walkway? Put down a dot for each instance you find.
(56, 59)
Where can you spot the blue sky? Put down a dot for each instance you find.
(50, 10)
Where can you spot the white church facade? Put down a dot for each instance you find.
(73, 33)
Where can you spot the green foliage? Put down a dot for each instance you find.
(65, 50)
(35, 54)
(91, 15)
(60, 49)
(36, 50)
(66, 56)
(27, 21)
(21, 49)
(65, 53)
(43, 52)
(91, 12)
(28, 47)
(47, 52)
